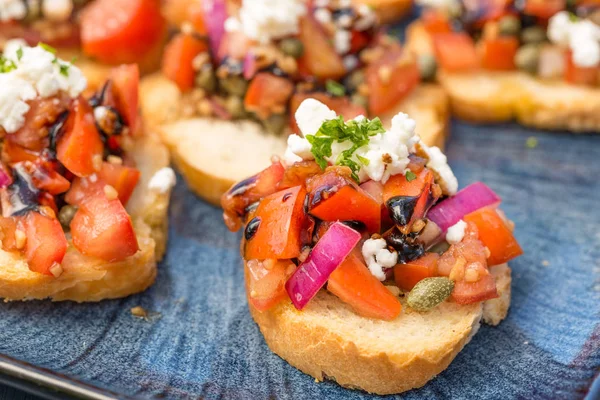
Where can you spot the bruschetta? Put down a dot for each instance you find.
(84, 190)
(364, 263)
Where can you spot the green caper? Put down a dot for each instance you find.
(292, 47)
(533, 34)
(509, 25)
(235, 106)
(205, 78)
(65, 216)
(360, 100)
(429, 293)
(527, 58)
(354, 80)
(427, 66)
(276, 123)
(234, 84)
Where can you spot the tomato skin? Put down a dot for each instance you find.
(319, 56)
(435, 21)
(179, 11)
(265, 282)
(385, 93)
(46, 242)
(354, 284)
(473, 292)
(455, 52)
(579, 75)
(267, 93)
(333, 196)
(544, 9)
(103, 229)
(13, 153)
(279, 234)
(125, 82)
(124, 179)
(409, 274)
(495, 235)
(139, 30)
(498, 54)
(81, 142)
(45, 177)
(340, 104)
(298, 173)
(177, 59)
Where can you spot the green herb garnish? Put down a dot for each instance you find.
(47, 47)
(335, 88)
(64, 69)
(363, 160)
(6, 64)
(531, 142)
(19, 53)
(336, 130)
(410, 176)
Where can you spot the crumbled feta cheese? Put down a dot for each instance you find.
(38, 73)
(265, 20)
(298, 149)
(456, 232)
(57, 10)
(323, 15)
(582, 36)
(378, 257)
(344, 21)
(342, 41)
(311, 114)
(438, 163)
(350, 62)
(12, 10)
(367, 18)
(163, 180)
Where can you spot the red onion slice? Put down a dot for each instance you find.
(472, 198)
(215, 14)
(5, 179)
(325, 257)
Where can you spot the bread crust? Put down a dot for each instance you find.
(328, 341)
(163, 106)
(88, 279)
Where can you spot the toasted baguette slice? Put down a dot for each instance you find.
(388, 10)
(90, 279)
(487, 96)
(327, 340)
(213, 154)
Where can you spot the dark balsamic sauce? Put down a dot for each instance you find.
(252, 228)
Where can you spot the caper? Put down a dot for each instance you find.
(354, 80)
(65, 216)
(527, 58)
(276, 123)
(235, 106)
(533, 34)
(205, 78)
(292, 47)
(509, 25)
(360, 100)
(429, 293)
(234, 84)
(427, 66)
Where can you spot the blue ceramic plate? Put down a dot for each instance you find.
(202, 342)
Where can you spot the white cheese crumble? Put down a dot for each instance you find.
(323, 15)
(37, 73)
(367, 18)
(582, 36)
(342, 40)
(438, 163)
(456, 232)
(57, 10)
(12, 10)
(163, 180)
(387, 152)
(265, 20)
(378, 257)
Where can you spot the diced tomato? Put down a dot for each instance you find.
(356, 286)
(46, 242)
(375, 190)
(544, 9)
(333, 196)
(235, 45)
(435, 21)
(248, 191)
(265, 282)
(47, 203)
(178, 57)
(122, 31)
(124, 179)
(268, 94)
(472, 292)
(80, 144)
(45, 177)
(126, 81)
(455, 52)
(13, 153)
(579, 75)
(499, 53)
(280, 218)
(319, 56)
(495, 235)
(8, 226)
(102, 228)
(358, 41)
(390, 80)
(298, 173)
(340, 104)
(409, 274)
(177, 12)
(408, 201)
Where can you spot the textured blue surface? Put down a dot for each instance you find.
(204, 342)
